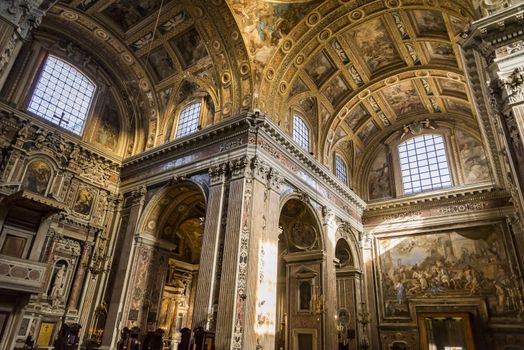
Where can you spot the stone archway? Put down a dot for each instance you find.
(300, 286)
(167, 261)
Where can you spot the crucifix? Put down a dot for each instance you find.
(61, 119)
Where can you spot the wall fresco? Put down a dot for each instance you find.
(474, 161)
(37, 177)
(469, 262)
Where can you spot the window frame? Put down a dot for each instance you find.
(335, 168)
(176, 119)
(298, 115)
(38, 76)
(449, 152)
(183, 107)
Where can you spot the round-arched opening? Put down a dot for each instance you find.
(343, 254)
(174, 221)
(300, 227)
(299, 276)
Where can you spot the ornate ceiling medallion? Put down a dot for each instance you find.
(356, 15)
(313, 19)
(282, 88)
(270, 74)
(324, 35)
(299, 60)
(244, 68)
(391, 80)
(393, 3)
(101, 34)
(70, 16)
(226, 79)
(287, 45)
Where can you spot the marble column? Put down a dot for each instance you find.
(17, 20)
(206, 283)
(79, 277)
(131, 215)
(233, 293)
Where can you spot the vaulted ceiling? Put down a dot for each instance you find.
(355, 69)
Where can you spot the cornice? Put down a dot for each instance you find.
(308, 161)
(245, 123)
(499, 27)
(216, 133)
(434, 198)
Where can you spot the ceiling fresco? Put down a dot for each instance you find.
(355, 68)
(265, 23)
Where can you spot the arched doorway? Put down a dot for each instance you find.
(174, 226)
(300, 279)
(349, 284)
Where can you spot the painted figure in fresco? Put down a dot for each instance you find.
(472, 263)
(84, 202)
(379, 182)
(37, 177)
(401, 292)
(108, 130)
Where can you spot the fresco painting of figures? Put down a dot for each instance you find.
(464, 263)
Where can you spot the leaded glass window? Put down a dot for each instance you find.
(301, 132)
(189, 119)
(341, 169)
(424, 164)
(63, 95)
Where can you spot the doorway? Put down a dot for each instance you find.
(443, 331)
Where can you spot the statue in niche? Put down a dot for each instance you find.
(305, 296)
(59, 281)
(37, 177)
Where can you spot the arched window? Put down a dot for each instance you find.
(63, 95)
(341, 170)
(424, 164)
(189, 119)
(301, 132)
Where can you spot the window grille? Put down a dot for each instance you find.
(63, 95)
(424, 164)
(301, 132)
(341, 169)
(188, 120)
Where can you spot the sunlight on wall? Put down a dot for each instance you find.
(267, 288)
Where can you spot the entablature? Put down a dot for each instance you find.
(248, 135)
(439, 207)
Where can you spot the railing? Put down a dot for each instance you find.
(21, 274)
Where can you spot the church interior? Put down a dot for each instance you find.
(262, 174)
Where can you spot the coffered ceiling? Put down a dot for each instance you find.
(355, 69)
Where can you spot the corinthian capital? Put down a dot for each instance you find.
(217, 173)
